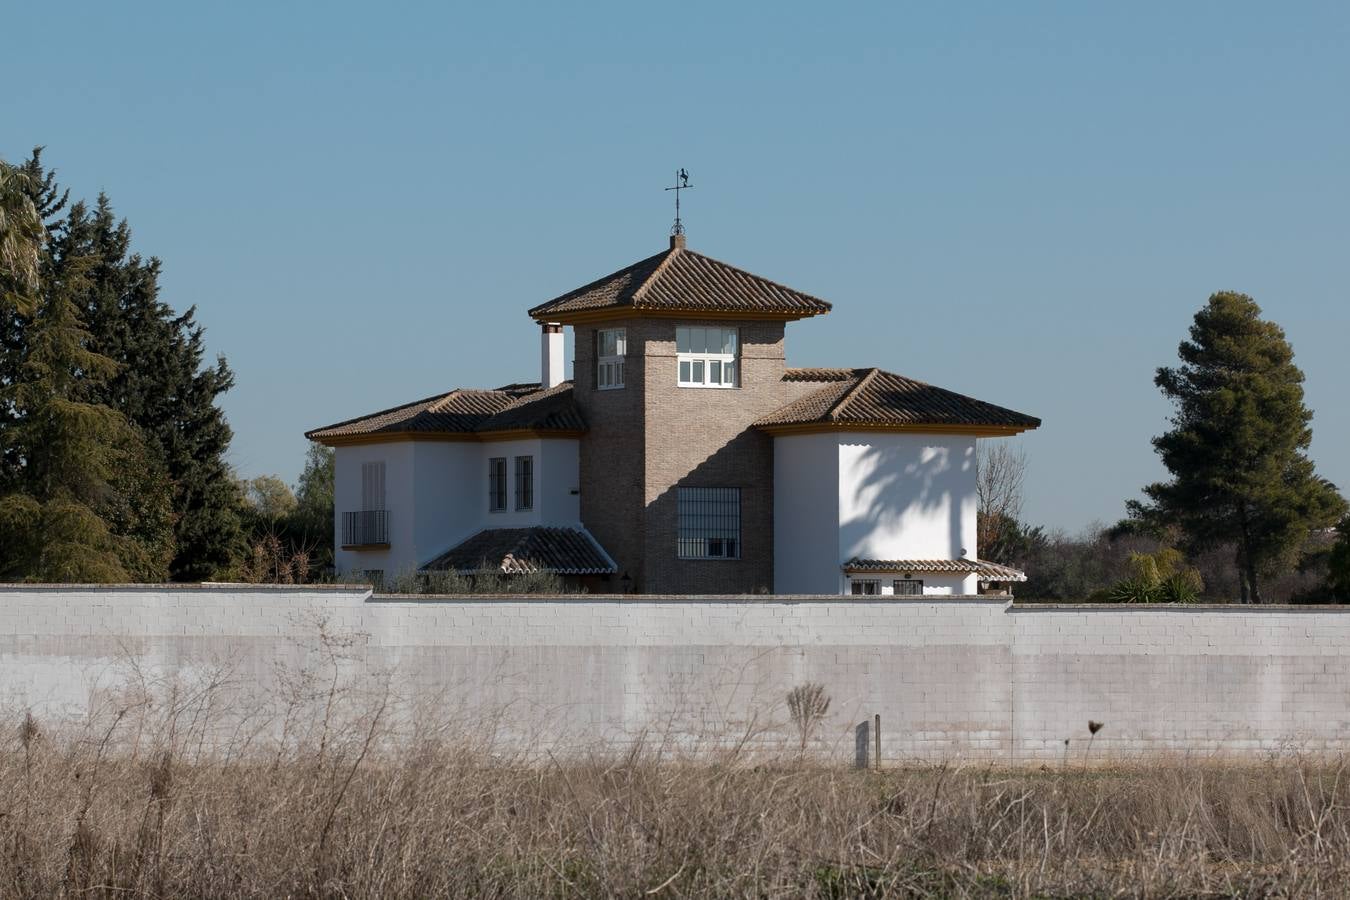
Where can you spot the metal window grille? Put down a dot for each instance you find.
(524, 482)
(865, 587)
(709, 523)
(497, 483)
(366, 528)
(908, 587)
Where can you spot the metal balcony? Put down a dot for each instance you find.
(366, 529)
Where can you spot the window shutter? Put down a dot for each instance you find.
(372, 486)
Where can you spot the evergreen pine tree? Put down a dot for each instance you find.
(1237, 448)
(84, 506)
(160, 385)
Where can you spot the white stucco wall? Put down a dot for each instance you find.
(450, 494)
(559, 481)
(873, 496)
(437, 494)
(906, 496)
(399, 497)
(968, 678)
(806, 514)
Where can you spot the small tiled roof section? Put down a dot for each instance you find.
(519, 551)
(681, 280)
(874, 398)
(986, 570)
(467, 410)
(552, 410)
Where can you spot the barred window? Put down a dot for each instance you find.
(524, 482)
(611, 345)
(710, 523)
(864, 587)
(497, 483)
(908, 587)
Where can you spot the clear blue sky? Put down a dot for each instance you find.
(1022, 202)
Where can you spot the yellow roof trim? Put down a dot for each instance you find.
(390, 437)
(610, 313)
(894, 427)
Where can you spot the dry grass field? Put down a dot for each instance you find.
(92, 817)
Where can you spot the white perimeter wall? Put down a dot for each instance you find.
(951, 678)
(873, 496)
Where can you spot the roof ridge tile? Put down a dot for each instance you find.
(653, 277)
(842, 403)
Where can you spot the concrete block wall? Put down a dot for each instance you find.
(952, 678)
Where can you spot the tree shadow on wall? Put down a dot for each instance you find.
(899, 487)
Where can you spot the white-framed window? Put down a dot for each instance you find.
(524, 482)
(864, 587)
(707, 357)
(611, 345)
(907, 587)
(497, 484)
(709, 523)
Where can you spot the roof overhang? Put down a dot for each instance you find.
(612, 313)
(389, 437)
(894, 427)
(987, 571)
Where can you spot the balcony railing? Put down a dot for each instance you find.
(367, 528)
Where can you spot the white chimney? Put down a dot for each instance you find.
(551, 354)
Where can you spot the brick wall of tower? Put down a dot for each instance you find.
(701, 437)
(611, 452)
(652, 437)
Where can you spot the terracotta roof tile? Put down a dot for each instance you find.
(987, 570)
(680, 279)
(552, 410)
(465, 410)
(872, 397)
(562, 551)
(818, 374)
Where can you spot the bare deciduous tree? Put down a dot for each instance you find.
(807, 705)
(1000, 469)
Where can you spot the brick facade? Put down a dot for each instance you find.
(652, 436)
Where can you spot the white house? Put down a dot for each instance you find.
(686, 457)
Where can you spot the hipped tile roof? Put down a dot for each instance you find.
(466, 410)
(682, 280)
(874, 398)
(986, 570)
(518, 551)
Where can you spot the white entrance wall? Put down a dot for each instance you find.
(871, 495)
(436, 495)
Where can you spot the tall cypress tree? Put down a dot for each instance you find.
(161, 385)
(1237, 448)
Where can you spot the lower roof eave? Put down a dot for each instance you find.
(987, 571)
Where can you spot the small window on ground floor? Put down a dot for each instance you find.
(865, 587)
(908, 587)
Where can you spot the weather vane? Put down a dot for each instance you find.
(681, 183)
